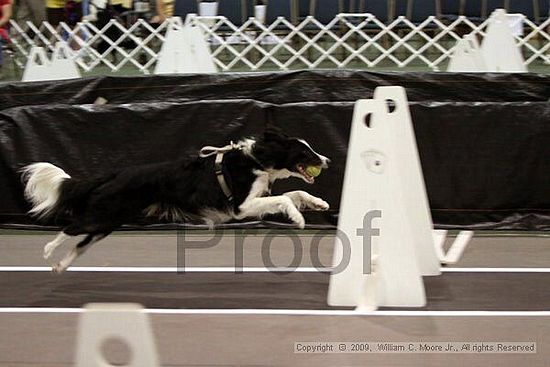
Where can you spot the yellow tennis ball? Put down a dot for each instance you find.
(313, 171)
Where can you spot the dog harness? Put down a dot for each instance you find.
(208, 151)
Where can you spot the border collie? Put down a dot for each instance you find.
(219, 185)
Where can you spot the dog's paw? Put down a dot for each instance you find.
(298, 219)
(301, 223)
(58, 268)
(319, 204)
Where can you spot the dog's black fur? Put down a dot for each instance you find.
(185, 189)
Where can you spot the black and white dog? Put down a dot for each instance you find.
(222, 184)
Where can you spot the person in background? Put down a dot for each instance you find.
(5, 16)
(29, 10)
(68, 11)
(165, 9)
(109, 11)
(121, 6)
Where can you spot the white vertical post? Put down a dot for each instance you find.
(383, 173)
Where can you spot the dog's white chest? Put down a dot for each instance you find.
(261, 185)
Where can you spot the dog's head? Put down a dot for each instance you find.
(288, 156)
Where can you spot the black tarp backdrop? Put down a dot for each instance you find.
(484, 139)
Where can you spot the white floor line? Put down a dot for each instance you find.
(164, 269)
(495, 270)
(230, 269)
(294, 312)
(346, 312)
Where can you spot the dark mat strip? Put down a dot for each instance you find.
(449, 292)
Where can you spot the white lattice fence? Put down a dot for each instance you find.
(349, 40)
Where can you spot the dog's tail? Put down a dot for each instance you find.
(43, 185)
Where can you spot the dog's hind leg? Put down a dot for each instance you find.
(50, 247)
(67, 232)
(80, 248)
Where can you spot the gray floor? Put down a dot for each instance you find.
(153, 250)
(268, 340)
(47, 339)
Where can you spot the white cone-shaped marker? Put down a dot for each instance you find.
(184, 50)
(467, 56)
(61, 66)
(499, 48)
(384, 211)
(124, 322)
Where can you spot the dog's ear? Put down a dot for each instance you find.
(273, 133)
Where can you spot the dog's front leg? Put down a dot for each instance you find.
(258, 207)
(304, 200)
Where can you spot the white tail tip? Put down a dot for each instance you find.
(42, 188)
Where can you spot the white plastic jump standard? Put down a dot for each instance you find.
(184, 50)
(499, 51)
(125, 322)
(383, 174)
(499, 48)
(467, 56)
(61, 66)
